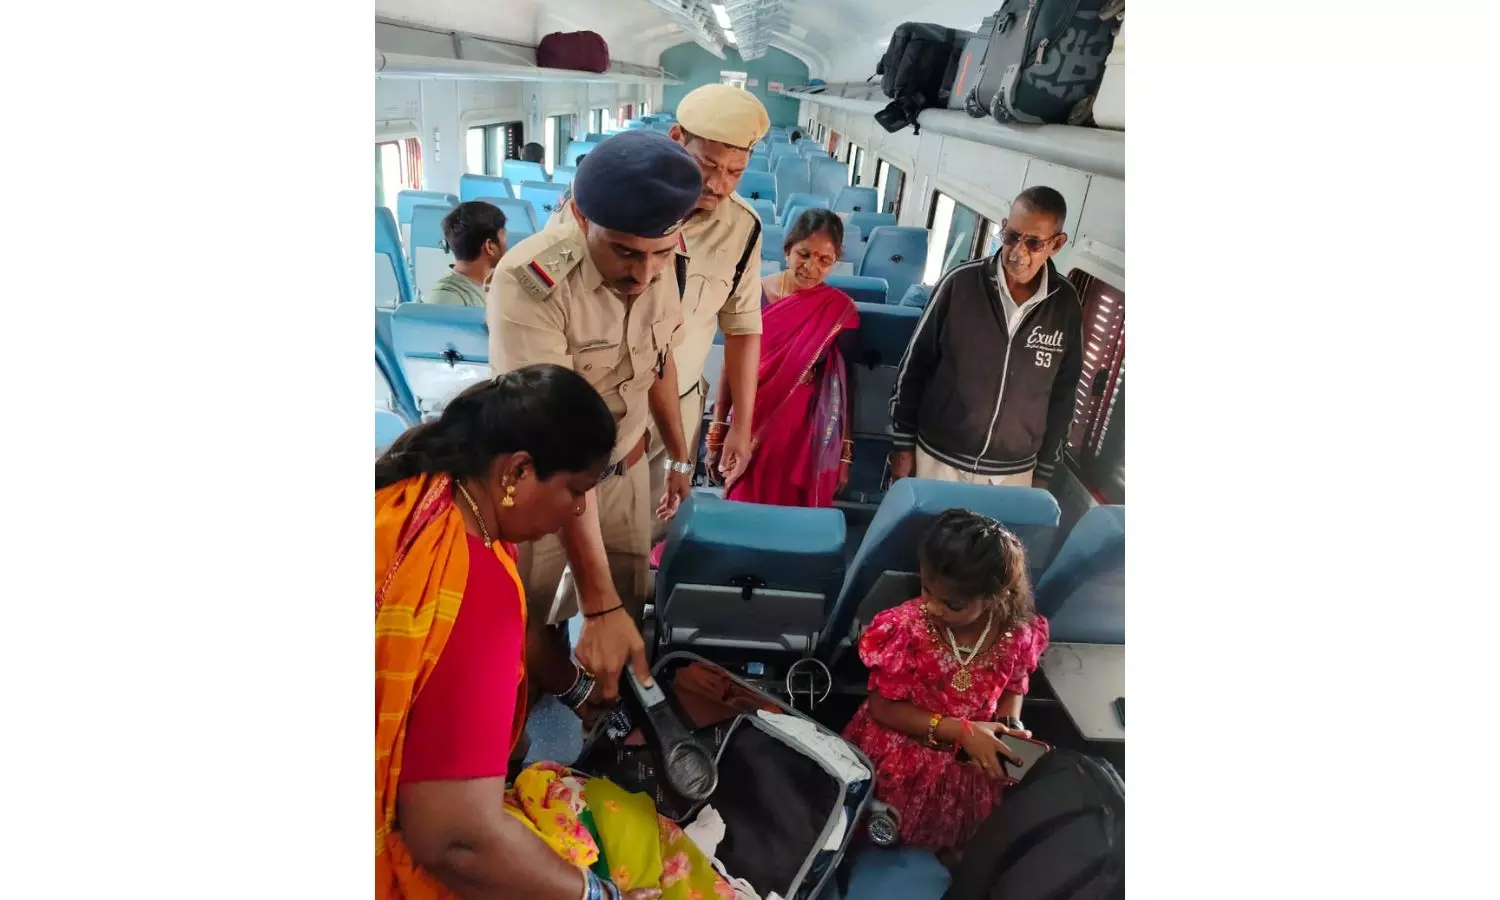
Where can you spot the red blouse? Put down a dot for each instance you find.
(460, 726)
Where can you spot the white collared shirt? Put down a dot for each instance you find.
(1008, 303)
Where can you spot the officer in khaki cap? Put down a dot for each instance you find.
(598, 291)
(719, 124)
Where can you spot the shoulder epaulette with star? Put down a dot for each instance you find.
(540, 274)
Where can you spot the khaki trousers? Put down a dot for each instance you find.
(929, 467)
(690, 408)
(625, 514)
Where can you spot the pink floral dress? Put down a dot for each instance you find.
(941, 801)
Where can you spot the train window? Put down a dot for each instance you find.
(856, 162)
(955, 235)
(626, 111)
(833, 143)
(493, 142)
(1096, 440)
(556, 133)
(398, 167)
(889, 183)
(645, 107)
(474, 151)
(596, 121)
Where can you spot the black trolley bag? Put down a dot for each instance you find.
(780, 801)
(1058, 835)
(1045, 60)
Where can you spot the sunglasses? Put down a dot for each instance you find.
(1031, 242)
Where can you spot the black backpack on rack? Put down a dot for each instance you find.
(917, 71)
(1058, 835)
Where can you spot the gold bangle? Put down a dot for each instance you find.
(932, 725)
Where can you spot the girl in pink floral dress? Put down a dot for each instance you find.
(948, 671)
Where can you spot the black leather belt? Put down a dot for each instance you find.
(631, 458)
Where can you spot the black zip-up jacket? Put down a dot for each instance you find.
(978, 398)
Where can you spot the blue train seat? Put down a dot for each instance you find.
(1082, 592)
(757, 186)
(406, 201)
(764, 207)
(781, 151)
(869, 221)
(810, 149)
(520, 218)
(440, 350)
(519, 170)
(896, 254)
(475, 187)
(596, 137)
(563, 174)
(544, 198)
(828, 175)
(791, 178)
(917, 295)
(861, 288)
(430, 257)
(771, 266)
(883, 572)
(856, 199)
(854, 245)
(771, 237)
(574, 150)
(391, 389)
(872, 352)
(388, 427)
(758, 164)
(392, 280)
(748, 575)
(797, 203)
(896, 873)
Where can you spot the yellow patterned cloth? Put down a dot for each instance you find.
(643, 849)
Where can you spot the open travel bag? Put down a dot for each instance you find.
(789, 792)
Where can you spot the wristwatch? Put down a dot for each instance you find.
(681, 468)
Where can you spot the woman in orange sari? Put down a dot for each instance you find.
(801, 427)
(508, 461)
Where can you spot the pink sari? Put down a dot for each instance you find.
(798, 430)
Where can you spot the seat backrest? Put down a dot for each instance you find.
(748, 574)
(810, 149)
(781, 151)
(1082, 592)
(896, 254)
(519, 170)
(917, 295)
(856, 199)
(595, 138)
(771, 266)
(764, 207)
(854, 245)
(388, 427)
(406, 201)
(883, 572)
(869, 221)
(861, 288)
(758, 164)
(441, 350)
(430, 259)
(388, 369)
(520, 217)
(790, 181)
(873, 352)
(392, 280)
(757, 186)
(543, 196)
(563, 174)
(797, 203)
(771, 237)
(827, 175)
(576, 149)
(473, 187)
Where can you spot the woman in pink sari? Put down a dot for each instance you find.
(801, 427)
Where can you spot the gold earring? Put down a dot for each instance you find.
(510, 496)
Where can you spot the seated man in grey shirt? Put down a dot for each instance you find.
(475, 232)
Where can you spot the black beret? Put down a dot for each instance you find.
(639, 182)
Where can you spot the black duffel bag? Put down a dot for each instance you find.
(917, 71)
(1058, 835)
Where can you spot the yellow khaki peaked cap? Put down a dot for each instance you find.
(724, 113)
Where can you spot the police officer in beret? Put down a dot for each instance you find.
(598, 290)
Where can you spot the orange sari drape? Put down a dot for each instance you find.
(421, 568)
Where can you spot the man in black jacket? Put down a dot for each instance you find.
(985, 391)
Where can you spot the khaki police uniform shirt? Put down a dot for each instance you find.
(717, 244)
(547, 303)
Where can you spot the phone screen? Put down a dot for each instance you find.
(1029, 752)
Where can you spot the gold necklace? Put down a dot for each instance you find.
(962, 680)
(484, 532)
